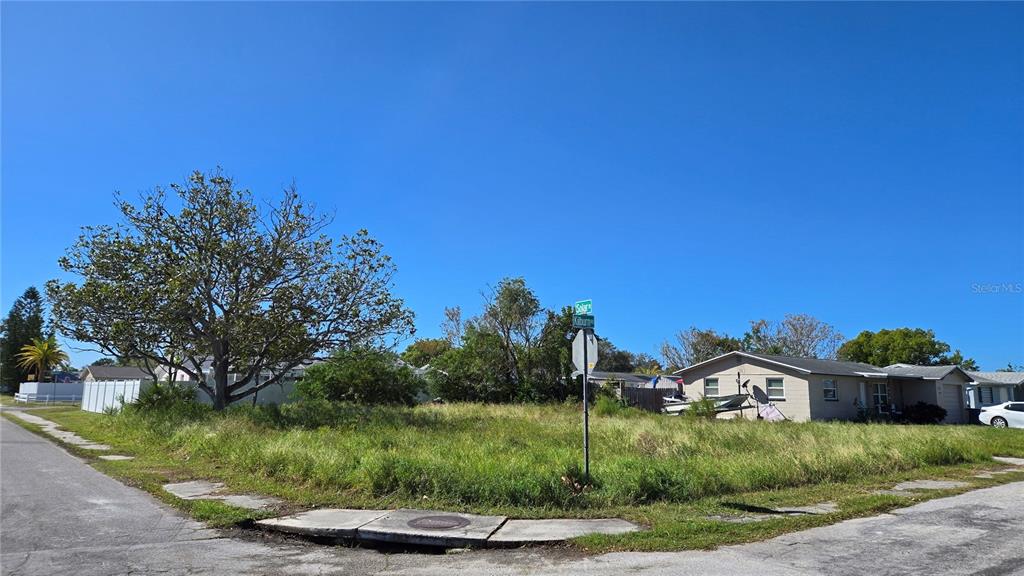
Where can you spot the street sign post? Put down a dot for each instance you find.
(583, 307)
(584, 351)
(584, 356)
(585, 321)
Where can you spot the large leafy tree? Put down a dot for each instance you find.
(201, 272)
(475, 371)
(23, 324)
(361, 375)
(41, 356)
(424, 351)
(611, 358)
(902, 346)
(512, 312)
(551, 377)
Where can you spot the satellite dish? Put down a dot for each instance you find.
(760, 396)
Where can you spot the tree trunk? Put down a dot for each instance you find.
(220, 375)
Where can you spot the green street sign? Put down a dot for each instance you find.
(584, 308)
(583, 321)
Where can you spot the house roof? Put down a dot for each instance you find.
(620, 376)
(823, 366)
(925, 372)
(805, 365)
(116, 373)
(998, 377)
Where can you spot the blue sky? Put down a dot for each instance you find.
(681, 164)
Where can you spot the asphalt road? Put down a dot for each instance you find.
(60, 516)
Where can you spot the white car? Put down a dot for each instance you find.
(1005, 415)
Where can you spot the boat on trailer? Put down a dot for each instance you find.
(730, 403)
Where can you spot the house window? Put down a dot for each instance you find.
(881, 398)
(776, 390)
(831, 390)
(986, 396)
(711, 386)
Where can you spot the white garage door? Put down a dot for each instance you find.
(952, 398)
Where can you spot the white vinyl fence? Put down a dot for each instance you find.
(49, 392)
(110, 394)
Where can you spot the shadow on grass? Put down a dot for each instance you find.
(762, 510)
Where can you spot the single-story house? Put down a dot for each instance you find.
(632, 380)
(277, 393)
(818, 389)
(113, 373)
(990, 384)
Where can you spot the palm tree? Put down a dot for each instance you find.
(41, 355)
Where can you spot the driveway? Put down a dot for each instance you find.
(60, 516)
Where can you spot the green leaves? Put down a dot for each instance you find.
(41, 356)
(201, 272)
(902, 346)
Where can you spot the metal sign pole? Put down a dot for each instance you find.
(586, 413)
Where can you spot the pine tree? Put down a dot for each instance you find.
(23, 323)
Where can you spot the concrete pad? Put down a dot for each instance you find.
(905, 493)
(1008, 460)
(737, 519)
(823, 508)
(328, 522)
(930, 485)
(985, 475)
(97, 447)
(194, 489)
(247, 501)
(515, 532)
(116, 457)
(431, 528)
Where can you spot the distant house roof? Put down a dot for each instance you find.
(116, 373)
(624, 377)
(805, 365)
(998, 377)
(925, 372)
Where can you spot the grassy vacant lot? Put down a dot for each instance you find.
(678, 476)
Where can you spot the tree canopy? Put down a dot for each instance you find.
(363, 376)
(423, 351)
(902, 346)
(202, 272)
(516, 350)
(799, 335)
(695, 345)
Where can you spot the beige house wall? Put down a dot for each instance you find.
(952, 397)
(915, 391)
(844, 407)
(796, 405)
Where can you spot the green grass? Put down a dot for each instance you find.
(672, 474)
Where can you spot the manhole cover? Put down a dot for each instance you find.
(438, 522)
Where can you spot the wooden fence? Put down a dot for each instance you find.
(649, 399)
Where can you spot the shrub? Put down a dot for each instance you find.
(162, 396)
(924, 413)
(703, 409)
(608, 406)
(362, 376)
(165, 403)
